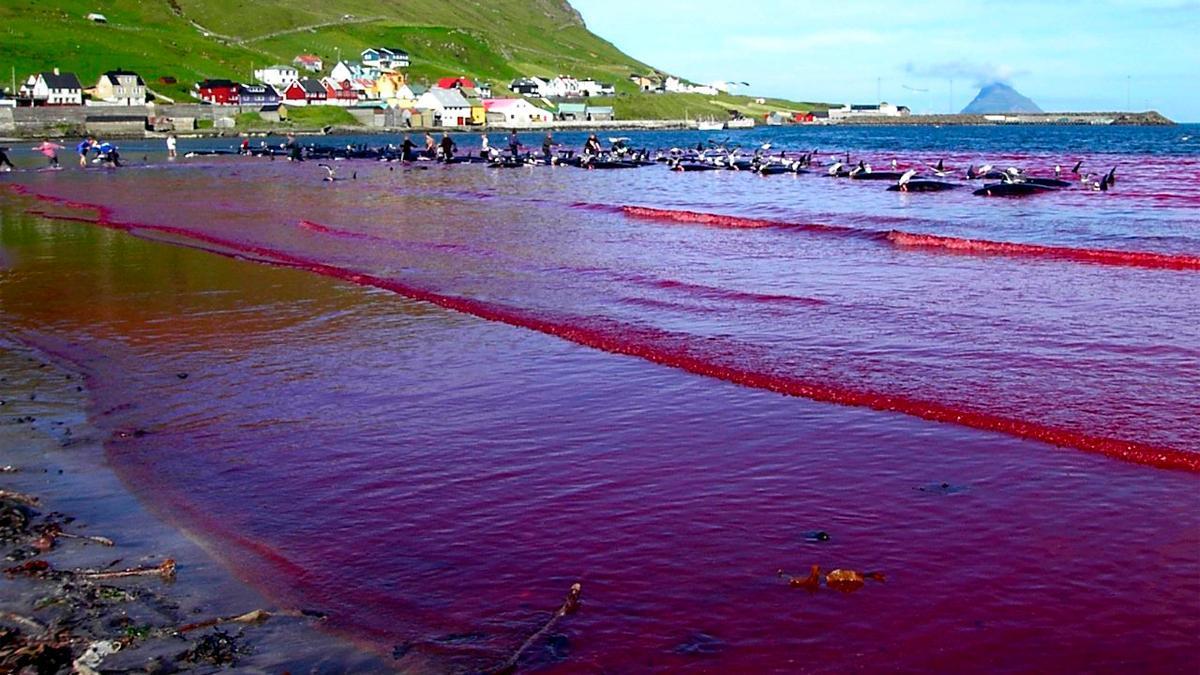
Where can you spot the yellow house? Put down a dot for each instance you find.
(478, 112)
(389, 87)
(406, 96)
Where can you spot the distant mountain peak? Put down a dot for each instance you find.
(999, 97)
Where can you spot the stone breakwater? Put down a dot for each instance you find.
(1151, 118)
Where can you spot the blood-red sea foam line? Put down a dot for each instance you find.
(899, 238)
(655, 346)
(1092, 255)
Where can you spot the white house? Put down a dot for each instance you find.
(562, 86)
(515, 112)
(385, 58)
(347, 71)
(277, 76)
(530, 86)
(594, 88)
(121, 87)
(449, 106)
(310, 62)
(676, 85)
(884, 109)
(53, 88)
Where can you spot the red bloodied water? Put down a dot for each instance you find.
(992, 403)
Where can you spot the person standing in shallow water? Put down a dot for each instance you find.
(591, 148)
(171, 143)
(448, 147)
(547, 146)
(430, 146)
(514, 143)
(84, 147)
(50, 151)
(485, 147)
(293, 148)
(407, 148)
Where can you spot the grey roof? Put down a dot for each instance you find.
(61, 81)
(257, 89)
(312, 86)
(450, 98)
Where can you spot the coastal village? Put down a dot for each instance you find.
(375, 90)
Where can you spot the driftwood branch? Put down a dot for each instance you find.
(166, 570)
(570, 605)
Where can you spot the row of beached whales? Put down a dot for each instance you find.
(1009, 182)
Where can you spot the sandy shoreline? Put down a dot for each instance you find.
(51, 453)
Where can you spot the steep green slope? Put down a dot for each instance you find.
(496, 40)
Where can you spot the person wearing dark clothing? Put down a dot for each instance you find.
(547, 146)
(107, 152)
(448, 148)
(430, 146)
(293, 148)
(514, 144)
(84, 147)
(591, 148)
(407, 149)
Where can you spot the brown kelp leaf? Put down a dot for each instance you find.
(33, 568)
(848, 581)
(809, 583)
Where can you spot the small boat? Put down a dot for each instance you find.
(709, 124)
(740, 123)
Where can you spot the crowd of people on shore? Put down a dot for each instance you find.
(89, 149)
(446, 148)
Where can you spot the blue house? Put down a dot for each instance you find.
(384, 58)
(257, 94)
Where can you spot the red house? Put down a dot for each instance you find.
(804, 117)
(455, 83)
(305, 91)
(339, 93)
(217, 92)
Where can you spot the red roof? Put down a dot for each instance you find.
(308, 58)
(453, 82)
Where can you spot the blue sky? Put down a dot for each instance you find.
(1065, 55)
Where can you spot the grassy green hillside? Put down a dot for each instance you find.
(496, 40)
